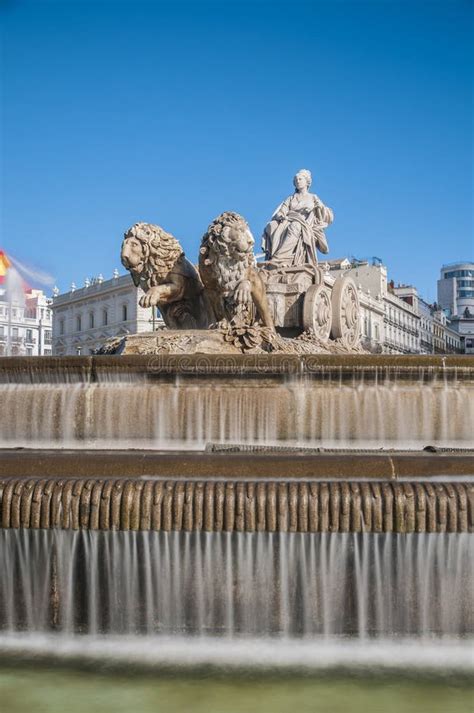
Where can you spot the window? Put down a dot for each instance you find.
(78, 323)
(458, 273)
(61, 326)
(47, 352)
(124, 313)
(29, 335)
(91, 320)
(29, 351)
(15, 332)
(105, 317)
(48, 336)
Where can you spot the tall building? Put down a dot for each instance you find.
(456, 300)
(25, 315)
(83, 319)
(456, 289)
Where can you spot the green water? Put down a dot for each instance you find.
(48, 691)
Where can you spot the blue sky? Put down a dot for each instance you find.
(171, 112)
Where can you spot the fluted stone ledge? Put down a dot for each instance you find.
(216, 506)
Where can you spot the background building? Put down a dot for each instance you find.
(463, 326)
(372, 322)
(83, 319)
(426, 327)
(456, 289)
(25, 315)
(26, 328)
(396, 320)
(389, 323)
(402, 320)
(456, 300)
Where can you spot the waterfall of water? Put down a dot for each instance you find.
(297, 585)
(187, 414)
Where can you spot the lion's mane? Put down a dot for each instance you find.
(219, 259)
(161, 249)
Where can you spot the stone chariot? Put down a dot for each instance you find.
(308, 298)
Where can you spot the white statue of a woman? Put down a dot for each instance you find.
(296, 229)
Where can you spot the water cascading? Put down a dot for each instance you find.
(186, 403)
(308, 516)
(258, 584)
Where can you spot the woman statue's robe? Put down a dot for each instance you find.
(296, 230)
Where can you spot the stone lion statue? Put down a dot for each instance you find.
(228, 271)
(157, 264)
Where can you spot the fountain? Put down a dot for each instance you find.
(247, 472)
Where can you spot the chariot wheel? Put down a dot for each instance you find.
(345, 312)
(317, 315)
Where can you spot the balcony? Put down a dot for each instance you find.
(17, 341)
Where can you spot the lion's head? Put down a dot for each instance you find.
(149, 252)
(226, 251)
(229, 234)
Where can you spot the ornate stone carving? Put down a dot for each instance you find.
(247, 339)
(346, 312)
(296, 229)
(228, 271)
(157, 264)
(317, 311)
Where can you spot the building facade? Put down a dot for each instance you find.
(464, 328)
(456, 300)
(453, 341)
(372, 322)
(83, 319)
(25, 324)
(436, 332)
(396, 320)
(456, 289)
(390, 324)
(402, 320)
(426, 327)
